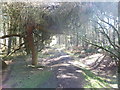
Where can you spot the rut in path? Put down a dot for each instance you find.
(65, 74)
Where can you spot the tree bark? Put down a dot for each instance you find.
(26, 45)
(77, 41)
(9, 45)
(31, 45)
(66, 42)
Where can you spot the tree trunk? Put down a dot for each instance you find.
(119, 74)
(4, 33)
(4, 65)
(20, 40)
(33, 50)
(26, 46)
(77, 41)
(9, 45)
(31, 45)
(71, 40)
(66, 41)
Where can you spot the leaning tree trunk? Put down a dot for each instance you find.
(31, 45)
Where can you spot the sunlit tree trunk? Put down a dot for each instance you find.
(10, 38)
(9, 44)
(66, 42)
(4, 32)
(20, 40)
(114, 33)
(26, 45)
(14, 41)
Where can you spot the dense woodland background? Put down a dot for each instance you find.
(84, 28)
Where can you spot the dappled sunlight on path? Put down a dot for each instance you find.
(61, 70)
(67, 75)
(69, 70)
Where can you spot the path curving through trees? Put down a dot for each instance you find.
(61, 71)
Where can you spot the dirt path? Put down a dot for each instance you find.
(65, 74)
(61, 72)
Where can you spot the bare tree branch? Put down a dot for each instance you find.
(87, 41)
(109, 25)
(11, 35)
(103, 32)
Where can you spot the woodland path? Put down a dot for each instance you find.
(65, 74)
(61, 70)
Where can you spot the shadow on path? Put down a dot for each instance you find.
(67, 75)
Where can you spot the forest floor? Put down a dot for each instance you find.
(62, 69)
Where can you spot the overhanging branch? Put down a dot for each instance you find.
(109, 25)
(101, 48)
